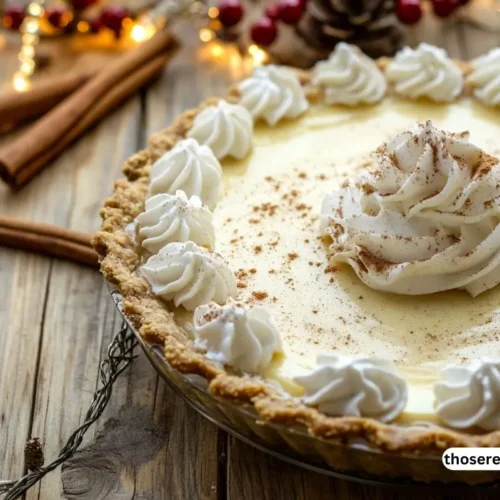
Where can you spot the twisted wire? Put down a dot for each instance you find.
(119, 356)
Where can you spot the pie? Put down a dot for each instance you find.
(325, 247)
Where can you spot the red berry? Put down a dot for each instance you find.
(273, 12)
(464, 2)
(82, 4)
(230, 12)
(13, 16)
(409, 11)
(444, 8)
(55, 15)
(290, 11)
(264, 31)
(112, 17)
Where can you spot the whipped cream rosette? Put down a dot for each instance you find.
(273, 93)
(227, 129)
(485, 77)
(349, 77)
(426, 71)
(175, 218)
(469, 396)
(188, 167)
(424, 218)
(355, 386)
(189, 275)
(245, 338)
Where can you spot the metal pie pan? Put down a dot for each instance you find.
(353, 461)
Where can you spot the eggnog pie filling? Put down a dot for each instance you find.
(342, 250)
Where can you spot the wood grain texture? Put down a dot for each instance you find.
(58, 319)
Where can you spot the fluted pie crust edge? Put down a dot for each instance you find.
(156, 324)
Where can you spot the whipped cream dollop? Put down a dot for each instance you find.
(349, 77)
(188, 167)
(168, 218)
(189, 275)
(273, 93)
(355, 386)
(227, 129)
(233, 335)
(424, 218)
(469, 396)
(426, 71)
(485, 77)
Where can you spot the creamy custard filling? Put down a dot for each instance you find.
(267, 229)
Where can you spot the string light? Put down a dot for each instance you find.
(83, 27)
(30, 29)
(213, 12)
(206, 35)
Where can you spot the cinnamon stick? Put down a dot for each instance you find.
(47, 239)
(24, 157)
(119, 93)
(19, 106)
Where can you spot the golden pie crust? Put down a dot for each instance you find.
(156, 324)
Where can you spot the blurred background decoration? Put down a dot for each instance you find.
(295, 32)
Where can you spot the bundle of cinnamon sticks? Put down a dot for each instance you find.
(84, 99)
(72, 104)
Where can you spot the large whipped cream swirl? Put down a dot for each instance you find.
(423, 219)
(470, 395)
(485, 77)
(355, 386)
(349, 77)
(273, 93)
(226, 128)
(189, 275)
(188, 167)
(234, 335)
(426, 71)
(168, 218)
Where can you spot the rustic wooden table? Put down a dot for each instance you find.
(58, 318)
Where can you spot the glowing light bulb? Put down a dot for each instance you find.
(213, 12)
(217, 50)
(20, 82)
(206, 35)
(83, 27)
(34, 9)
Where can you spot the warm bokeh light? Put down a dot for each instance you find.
(34, 9)
(213, 12)
(31, 26)
(217, 50)
(140, 32)
(206, 35)
(27, 51)
(83, 27)
(258, 55)
(20, 82)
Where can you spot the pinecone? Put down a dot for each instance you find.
(370, 24)
(33, 454)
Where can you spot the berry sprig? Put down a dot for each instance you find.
(264, 30)
(410, 11)
(63, 19)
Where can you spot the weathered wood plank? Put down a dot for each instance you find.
(23, 281)
(78, 311)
